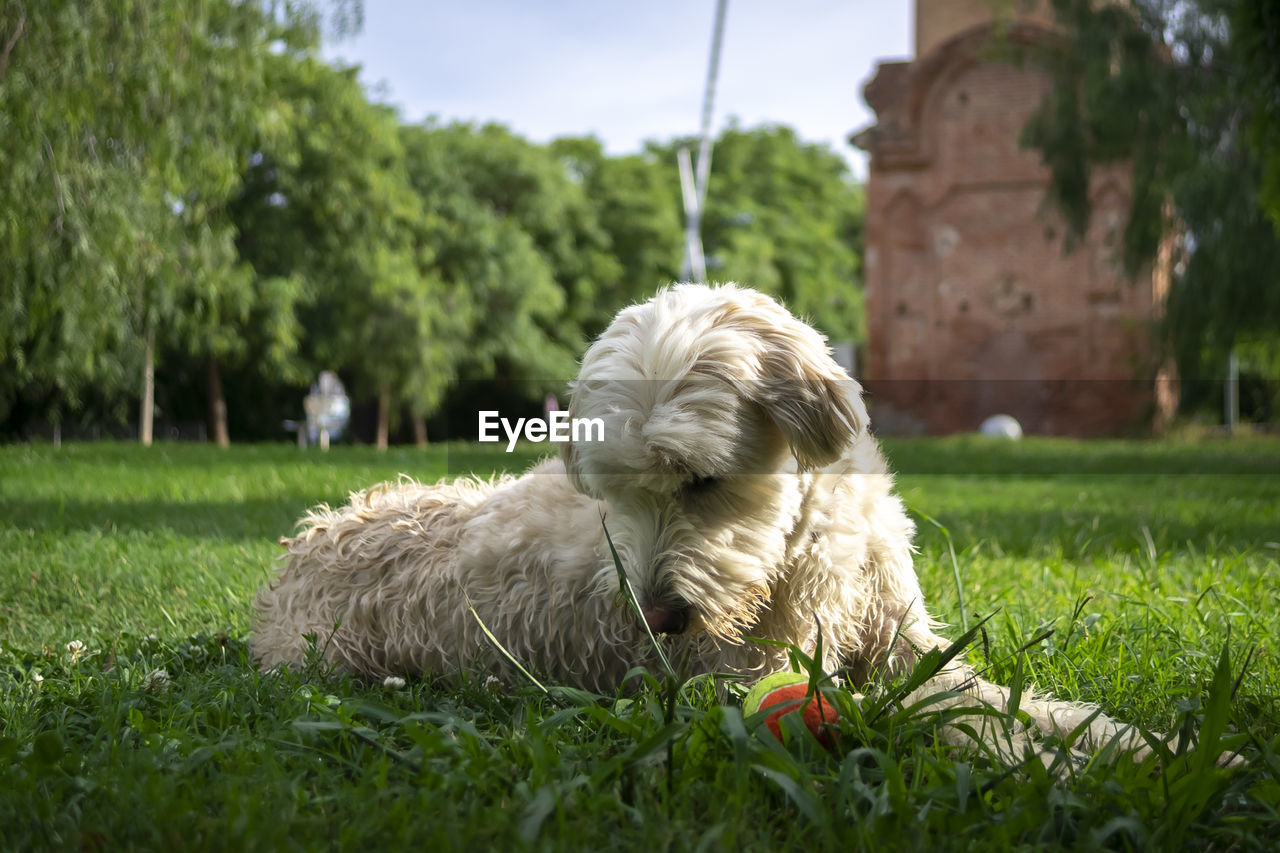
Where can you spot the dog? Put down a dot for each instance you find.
(737, 483)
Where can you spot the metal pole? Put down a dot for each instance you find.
(695, 264)
(695, 197)
(708, 102)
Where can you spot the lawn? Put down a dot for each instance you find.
(131, 717)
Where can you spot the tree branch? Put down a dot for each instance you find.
(13, 40)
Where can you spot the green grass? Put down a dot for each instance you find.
(1148, 561)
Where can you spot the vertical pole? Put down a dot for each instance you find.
(694, 187)
(695, 263)
(708, 101)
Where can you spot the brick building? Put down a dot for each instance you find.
(973, 306)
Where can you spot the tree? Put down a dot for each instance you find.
(530, 187)
(786, 217)
(632, 197)
(1255, 35)
(225, 314)
(328, 203)
(1157, 84)
(189, 184)
(502, 216)
(125, 137)
(72, 242)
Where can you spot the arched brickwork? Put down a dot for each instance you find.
(973, 305)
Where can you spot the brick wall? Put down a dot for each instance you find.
(974, 308)
(938, 20)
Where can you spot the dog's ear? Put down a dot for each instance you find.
(813, 401)
(815, 404)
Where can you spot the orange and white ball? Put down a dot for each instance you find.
(786, 692)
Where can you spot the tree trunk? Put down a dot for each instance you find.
(384, 417)
(217, 403)
(420, 431)
(1231, 394)
(147, 413)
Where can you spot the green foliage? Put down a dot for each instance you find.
(785, 217)
(125, 136)
(1255, 32)
(1158, 84)
(197, 175)
(485, 250)
(327, 204)
(109, 123)
(157, 730)
(527, 185)
(633, 199)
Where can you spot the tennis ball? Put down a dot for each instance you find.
(784, 692)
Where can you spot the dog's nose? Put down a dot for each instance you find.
(667, 617)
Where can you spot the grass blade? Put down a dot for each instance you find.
(955, 566)
(624, 585)
(503, 650)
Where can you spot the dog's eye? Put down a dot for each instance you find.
(699, 483)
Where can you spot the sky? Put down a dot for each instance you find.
(628, 72)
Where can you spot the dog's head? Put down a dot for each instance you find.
(713, 401)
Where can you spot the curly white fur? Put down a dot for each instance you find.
(742, 490)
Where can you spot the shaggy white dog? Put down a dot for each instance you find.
(741, 489)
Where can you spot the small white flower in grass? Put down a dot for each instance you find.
(156, 681)
(37, 679)
(76, 648)
(492, 683)
(395, 682)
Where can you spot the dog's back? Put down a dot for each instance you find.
(388, 583)
(350, 571)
